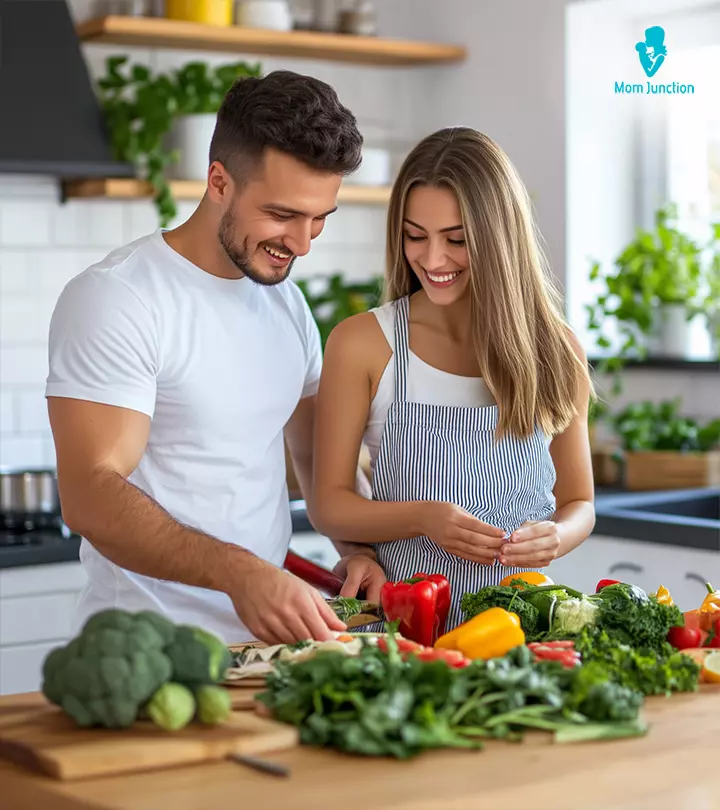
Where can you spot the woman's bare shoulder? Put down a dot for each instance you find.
(359, 339)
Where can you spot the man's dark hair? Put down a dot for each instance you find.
(298, 115)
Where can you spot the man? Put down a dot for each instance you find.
(178, 363)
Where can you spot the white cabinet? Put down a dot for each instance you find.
(683, 571)
(36, 609)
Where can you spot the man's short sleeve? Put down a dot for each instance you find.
(313, 365)
(103, 345)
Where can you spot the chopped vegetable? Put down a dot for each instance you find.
(562, 651)
(711, 668)
(213, 704)
(346, 608)
(530, 577)
(490, 634)
(172, 707)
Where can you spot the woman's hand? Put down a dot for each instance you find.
(361, 572)
(460, 533)
(533, 545)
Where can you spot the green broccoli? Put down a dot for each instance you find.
(198, 656)
(105, 674)
(172, 707)
(213, 704)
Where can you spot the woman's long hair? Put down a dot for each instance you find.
(522, 341)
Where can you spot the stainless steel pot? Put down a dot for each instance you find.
(28, 499)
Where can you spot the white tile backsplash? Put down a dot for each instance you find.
(14, 272)
(7, 412)
(22, 451)
(22, 365)
(79, 223)
(31, 410)
(25, 224)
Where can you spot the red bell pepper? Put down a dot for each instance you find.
(420, 604)
(605, 582)
(443, 600)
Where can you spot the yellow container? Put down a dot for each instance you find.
(211, 12)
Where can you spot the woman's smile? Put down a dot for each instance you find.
(442, 279)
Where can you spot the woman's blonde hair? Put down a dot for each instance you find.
(522, 341)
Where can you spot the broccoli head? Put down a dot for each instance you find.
(198, 656)
(104, 675)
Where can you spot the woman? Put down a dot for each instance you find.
(467, 386)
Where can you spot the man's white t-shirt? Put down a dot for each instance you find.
(219, 365)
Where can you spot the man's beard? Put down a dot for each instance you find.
(240, 256)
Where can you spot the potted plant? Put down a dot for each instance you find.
(664, 450)
(711, 301)
(332, 299)
(154, 120)
(649, 294)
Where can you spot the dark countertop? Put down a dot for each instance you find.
(642, 516)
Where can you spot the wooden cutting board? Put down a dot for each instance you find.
(44, 739)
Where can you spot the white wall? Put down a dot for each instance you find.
(511, 87)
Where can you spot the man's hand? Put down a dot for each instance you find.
(361, 573)
(280, 608)
(534, 544)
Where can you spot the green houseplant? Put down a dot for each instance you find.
(663, 449)
(658, 270)
(140, 108)
(332, 299)
(710, 306)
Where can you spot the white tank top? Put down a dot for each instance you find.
(425, 384)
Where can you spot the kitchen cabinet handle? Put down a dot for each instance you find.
(638, 569)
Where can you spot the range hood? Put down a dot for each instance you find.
(50, 118)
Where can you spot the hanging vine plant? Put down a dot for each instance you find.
(140, 108)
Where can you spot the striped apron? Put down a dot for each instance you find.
(449, 453)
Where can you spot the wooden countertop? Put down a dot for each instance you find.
(675, 767)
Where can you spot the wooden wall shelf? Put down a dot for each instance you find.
(122, 189)
(153, 32)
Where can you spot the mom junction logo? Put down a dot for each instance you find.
(652, 54)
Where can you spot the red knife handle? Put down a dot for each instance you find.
(313, 574)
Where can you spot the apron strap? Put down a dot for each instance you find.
(401, 348)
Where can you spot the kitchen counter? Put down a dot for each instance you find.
(673, 768)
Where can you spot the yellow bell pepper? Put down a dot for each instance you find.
(490, 634)
(663, 596)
